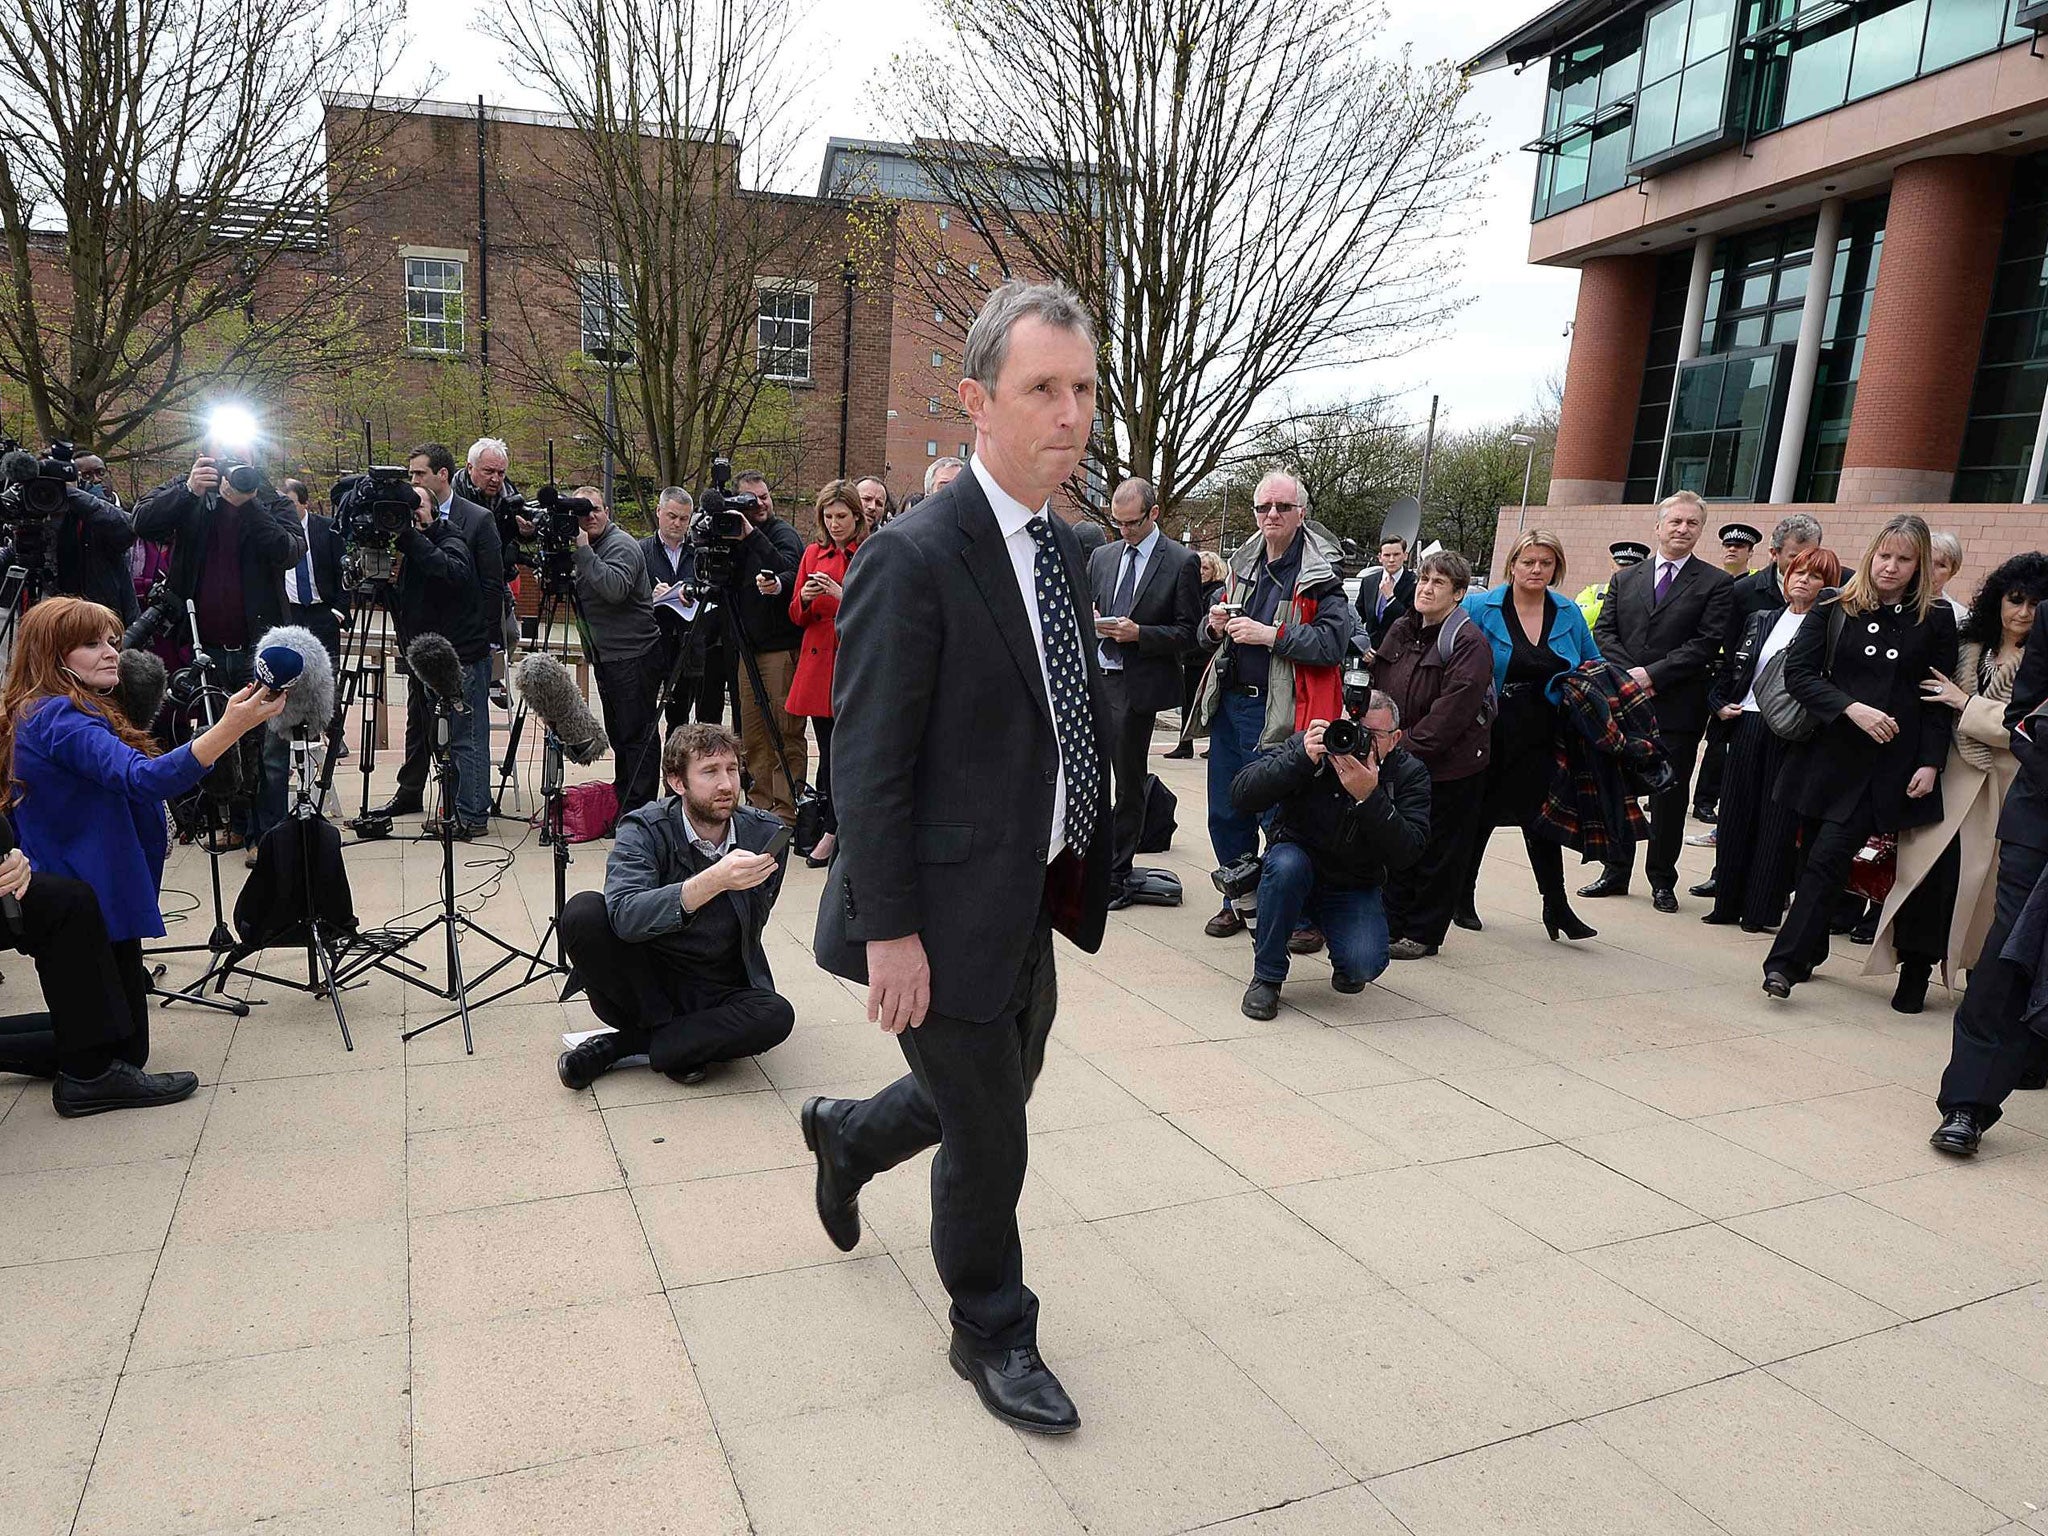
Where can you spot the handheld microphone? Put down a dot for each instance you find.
(545, 684)
(436, 668)
(139, 695)
(10, 906)
(296, 652)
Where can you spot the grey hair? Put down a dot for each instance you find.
(988, 339)
(1385, 701)
(1144, 490)
(1300, 487)
(1946, 543)
(1803, 526)
(484, 445)
(676, 494)
(951, 461)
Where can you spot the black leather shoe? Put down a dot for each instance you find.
(689, 1077)
(1119, 898)
(1958, 1134)
(1609, 884)
(1865, 932)
(1663, 898)
(1305, 941)
(1468, 920)
(1224, 924)
(1703, 890)
(1704, 813)
(1018, 1388)
(1262, 1000)
(1184, 751)
(404, 803)
(837, 1191)
(586, 1063)
(1777, 984)
(1345, 983)
(1718, 921)
(2033, 1079)
(121, 1086)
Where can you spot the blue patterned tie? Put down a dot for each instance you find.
(1072, 718)
(305, 575)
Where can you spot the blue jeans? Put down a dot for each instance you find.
(1233, 742)
(237, 667)
(471, 745)
(1354, 922)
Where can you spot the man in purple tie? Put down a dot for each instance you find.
(1663, 621)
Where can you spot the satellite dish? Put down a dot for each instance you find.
(1404, 522)
(1434, 546)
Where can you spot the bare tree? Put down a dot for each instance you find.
(1355, 459)
(654, 242)
(1475, 473)
(1239, 190)
(168, 202)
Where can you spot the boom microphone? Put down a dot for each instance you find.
(545, 684)
(293, 650)
(139, 695)
(436, 668)
(17, 465)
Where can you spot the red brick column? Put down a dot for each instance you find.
(1941, 243)
(1603, 382)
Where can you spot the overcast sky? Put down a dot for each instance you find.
(1491, 365)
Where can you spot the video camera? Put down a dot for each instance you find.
(372, 509)
(36, 487)
(560, 519)
(724, 517)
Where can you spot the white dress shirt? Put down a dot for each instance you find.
(292, 593)
(1014, 518)
(1137, 556)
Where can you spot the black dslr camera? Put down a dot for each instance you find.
(372, 509)
(1344, 738)
(1238, 883)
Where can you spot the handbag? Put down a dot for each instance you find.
(589, 811)
(1875, 869)
(1788, 719)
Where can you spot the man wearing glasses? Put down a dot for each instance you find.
(1280, 631)
(1348, 807)
(1148, 600)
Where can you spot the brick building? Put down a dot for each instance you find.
(1811, 241)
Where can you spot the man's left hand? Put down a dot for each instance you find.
(14, 874)
(1360, 776)
(767, 583)
(583, 538)
(1249, 631)
(1123, 631)
(1640, 677)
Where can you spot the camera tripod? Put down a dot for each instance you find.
(362, 688)
(556, 589)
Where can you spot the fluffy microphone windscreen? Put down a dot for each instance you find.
(295, 649)
(552, 694)
(17, 464)
(436, 668)
(139, 695)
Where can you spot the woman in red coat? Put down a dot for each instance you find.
(814, 605)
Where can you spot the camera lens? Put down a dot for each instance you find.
(1341, 738)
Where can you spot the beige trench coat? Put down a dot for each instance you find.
(1979, 771)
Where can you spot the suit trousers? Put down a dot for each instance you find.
(966, 1092)
(96, 1009)
(1419, 899)
(681, 1021)
(469, 743)
(1756, 843)
(1991, 1045)
(1714, 762)
(720, 680)
(772, 792)
(1130, 747)
(1667, 816)
(629, 688)
(1831, 846)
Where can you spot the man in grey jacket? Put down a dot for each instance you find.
(671, 953)
(617, 601)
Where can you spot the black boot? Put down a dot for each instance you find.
(121, 1086)
(1911, 994)
(1559, 918)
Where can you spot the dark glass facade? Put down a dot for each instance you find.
(1667, 323)
(1725, 421)
(2012, 371)
(1857, 254)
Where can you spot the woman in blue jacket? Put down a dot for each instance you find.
(86, 791)
(1538, 635)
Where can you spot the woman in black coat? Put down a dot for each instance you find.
(1875, 763)
(1756, 845)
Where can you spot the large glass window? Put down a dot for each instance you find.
(783, 346)
(1841, 359)
(1585, 143)
(1724, 424)
(1686, 60)
(2012, 373)
(1758, 287)
(433, 304)
(1667, 323)
(605, 323)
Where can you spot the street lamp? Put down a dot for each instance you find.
(1524, 440)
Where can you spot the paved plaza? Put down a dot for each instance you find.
(1529, 1238)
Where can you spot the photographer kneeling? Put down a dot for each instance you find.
(87, 792)
(1343, 820)
(671, 952)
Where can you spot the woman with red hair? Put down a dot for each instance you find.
(86, 790)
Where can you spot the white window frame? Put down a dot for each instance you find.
(931, 448)
(603, 346)
(418, 263)
(768, 353)
(938, 359)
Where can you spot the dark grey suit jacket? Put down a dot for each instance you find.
(2024, 817)
(944, 758)
(1678, 641)
(1167, 606)
(479, 531)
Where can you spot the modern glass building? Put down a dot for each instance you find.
(1811, 237)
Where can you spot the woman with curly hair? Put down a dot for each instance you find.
(1941, 905)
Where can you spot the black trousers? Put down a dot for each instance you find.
(821, 727)
(1667, 817)
(1420, 898)
(720, 681)
(1130, 748)
(1991, 1045)
(1921, 928)
(1714, 762)
(629, 688)
(97, 994)
(1756, 845)
(966, 1092)
(1831, 846)
(680, 1020)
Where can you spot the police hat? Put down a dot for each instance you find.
(1629, 552)
(1741, 533)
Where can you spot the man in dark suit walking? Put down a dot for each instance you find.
(314, 594)
(1663, 621)
(969, 760)
(1148, 600)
